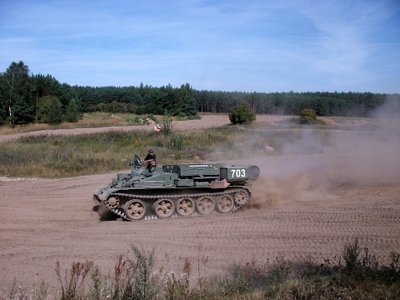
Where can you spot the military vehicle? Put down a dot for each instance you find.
(170, 190)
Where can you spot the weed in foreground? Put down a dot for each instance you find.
(144, 284)
(72, 284)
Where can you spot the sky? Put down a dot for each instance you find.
(232, 45)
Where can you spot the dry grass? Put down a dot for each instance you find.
(94, 119)
(61, 156)
(355, 276)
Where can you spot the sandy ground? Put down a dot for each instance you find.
(292, 214)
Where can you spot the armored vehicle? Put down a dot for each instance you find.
(181, 189)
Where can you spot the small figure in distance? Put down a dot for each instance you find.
(151, 161)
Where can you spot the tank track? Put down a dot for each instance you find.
(119, 211)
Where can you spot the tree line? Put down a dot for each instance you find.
(26, 98)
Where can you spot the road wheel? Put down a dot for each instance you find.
(135, 209)
(205, 205)
(225, 203)
(185, 207)
(164, 208)
(241, 198)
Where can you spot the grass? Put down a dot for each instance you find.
(60, 156)
(51, 156)
(92, 119)
(63, 156)
(357, 275)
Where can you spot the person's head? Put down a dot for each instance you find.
(151, 152)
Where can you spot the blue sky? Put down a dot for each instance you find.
(265, 46)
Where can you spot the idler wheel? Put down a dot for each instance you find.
(185, 207)
(164, 208)
(241, 198)
(205, 205)
(113, 202)
(225, 203)
(135, 209)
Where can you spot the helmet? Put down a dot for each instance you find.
(151, 151)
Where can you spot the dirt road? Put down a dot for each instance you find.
(293, 214)
(206, 121)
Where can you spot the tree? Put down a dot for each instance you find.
(21, 112)
(72, 112)
(242, 114)
(4, 111)
(43, 108)
(55, 111)
(44, 86)
(185, 104)
(17, 94)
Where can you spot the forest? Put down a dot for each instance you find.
(27, 98)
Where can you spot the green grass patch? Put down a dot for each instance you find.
(61, 156)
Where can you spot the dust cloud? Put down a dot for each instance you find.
(312, 164)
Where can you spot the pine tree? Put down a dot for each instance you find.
(72, 112)
(55, 112)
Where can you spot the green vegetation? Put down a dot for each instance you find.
(308, 116)
(72, 113)
(357, 275)
(22, 93)
(54, 115)
(242, 114)
(92, 119)
(59, 156)
(23, 99)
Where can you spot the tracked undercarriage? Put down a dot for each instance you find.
(176, 190)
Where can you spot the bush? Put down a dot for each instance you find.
(72, 112)
(308, 116)
(43, 108)
(242, 114)
(49, 110)
(167, 126)
(54, 115)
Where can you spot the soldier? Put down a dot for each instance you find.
(151, 161)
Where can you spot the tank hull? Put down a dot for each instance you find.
(176, 190)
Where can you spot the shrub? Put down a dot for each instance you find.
(351, 254)
(167, 126)
(142, 281)
(54, 115)
(72, 112)
(242, 114)
(43, 108)
(308, 116)
(72, 284)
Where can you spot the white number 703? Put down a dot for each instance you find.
(239, 173)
